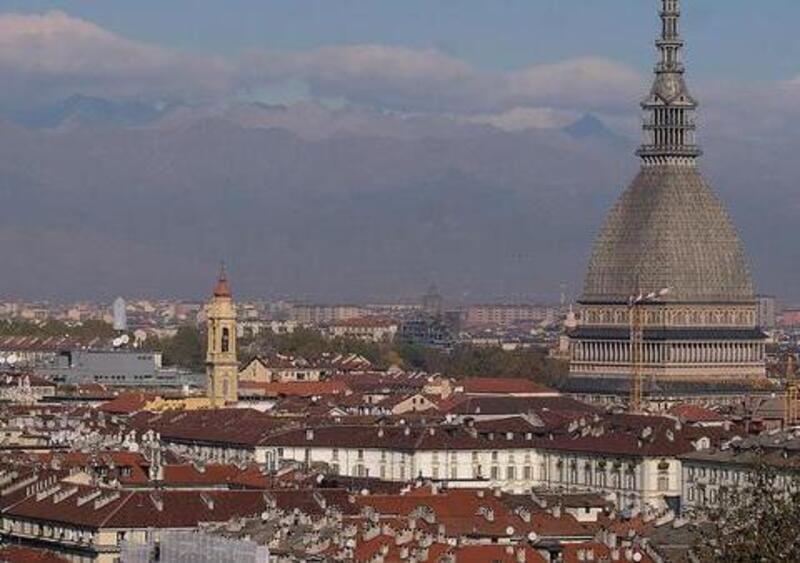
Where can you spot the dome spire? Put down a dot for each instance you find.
(669, 125)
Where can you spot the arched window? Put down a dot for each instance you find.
(226, 339)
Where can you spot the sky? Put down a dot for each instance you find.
(547, 59)
(738, 39)
(735, 37)
(517, 65)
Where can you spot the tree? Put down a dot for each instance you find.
(759, 522)
(186, 349)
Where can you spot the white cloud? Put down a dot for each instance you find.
(592, 83)
(54, 54)
(45, 55)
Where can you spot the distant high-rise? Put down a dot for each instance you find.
(120, 315)
(668, 236)
(432, 301)
(222, 364)
(767, 315)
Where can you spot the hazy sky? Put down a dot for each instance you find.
(734, 36)
(517, 65)
(737, 38)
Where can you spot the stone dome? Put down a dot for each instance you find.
(668, 229)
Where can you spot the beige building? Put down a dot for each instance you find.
(367, 329)
(280, 369)
(505, 314)
(222, 366)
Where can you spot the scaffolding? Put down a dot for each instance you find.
(192, 547)
(790, 407)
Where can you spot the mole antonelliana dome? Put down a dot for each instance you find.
(669, 229)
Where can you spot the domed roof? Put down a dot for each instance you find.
(668, 230)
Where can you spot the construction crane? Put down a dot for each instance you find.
(636, 316)
(637, 355)
(790, 396)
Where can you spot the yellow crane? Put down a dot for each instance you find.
(636, 316)
(637, 353)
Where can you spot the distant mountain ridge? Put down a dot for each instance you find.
(310, 202)
(590, 126)
(89, 110)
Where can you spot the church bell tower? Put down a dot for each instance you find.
(222, 365)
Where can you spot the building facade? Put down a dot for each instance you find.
(641, 473)
(668, 246)
(222, 365)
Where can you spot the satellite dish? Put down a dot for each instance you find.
(12, 359)
(533, 537)
(637, 556)
(116, 343)
(124, 339)
(2, 360)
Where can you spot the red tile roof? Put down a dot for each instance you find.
(694, 413)
(139, 509)
(497, 554)
(19, 554)
(127, 403)
(501, 386)
(243, 427)
(293, 389)
(596, 551)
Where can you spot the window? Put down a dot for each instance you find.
(226, 339)
(495, 472)
(360, 454)
(663, 482)
(527, 473)
(335, 454)
(511, 473)
(454, 472)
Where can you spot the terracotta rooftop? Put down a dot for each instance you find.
(20, 554)
(502, 386)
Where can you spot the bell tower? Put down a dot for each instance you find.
(222, 365)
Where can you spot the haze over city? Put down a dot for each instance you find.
(369, 150)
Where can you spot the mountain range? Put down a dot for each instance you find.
(312, 202)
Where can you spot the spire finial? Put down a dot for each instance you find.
(669, 125)
(223, 288)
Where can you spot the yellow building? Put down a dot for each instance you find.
(222, 365)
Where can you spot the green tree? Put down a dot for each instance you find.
(757, 523)
(186, 349)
